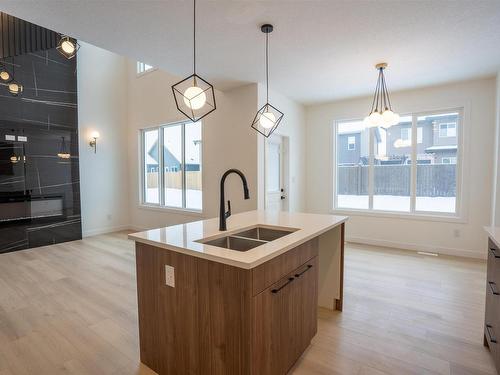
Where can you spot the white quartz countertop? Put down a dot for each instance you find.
(182, 238)
(494, 234)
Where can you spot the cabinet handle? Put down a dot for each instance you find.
(309, 266)
(281, 287)
(494, 252)
(493, 287)
(489, 329)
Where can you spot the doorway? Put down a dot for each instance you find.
(276, 178)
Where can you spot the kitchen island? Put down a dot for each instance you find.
(241, 301)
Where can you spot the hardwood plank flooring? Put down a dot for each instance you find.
(72, 309)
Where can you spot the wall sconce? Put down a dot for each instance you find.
(93, 141)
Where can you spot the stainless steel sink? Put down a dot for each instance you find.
(265, 233)
(235, 243)
(249, 238)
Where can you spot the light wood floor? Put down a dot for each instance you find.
(71, 309)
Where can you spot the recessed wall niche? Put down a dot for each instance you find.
(39, 166)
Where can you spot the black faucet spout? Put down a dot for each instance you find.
(223, 214)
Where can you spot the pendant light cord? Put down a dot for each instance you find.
(381, 97)
(267, 67)
(194, 36)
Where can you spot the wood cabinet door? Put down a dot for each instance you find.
(285, 320)
(307, 285)
(266, 331)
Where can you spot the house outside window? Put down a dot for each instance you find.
(449, 160)
(420, 134)
(405, 134)
(172, 166)
(448, 129)
(382, 177)
(143, 68)
(351, 143)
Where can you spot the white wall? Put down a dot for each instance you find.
(228, 142)
(292, 126)
(495, 214)
(478, 99)
(102, 104)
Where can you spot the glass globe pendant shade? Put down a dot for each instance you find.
(15, 88)
(390, 118)
(68, 47)
(267, 120)
(194, 97)
(374, 120)
(4, 75)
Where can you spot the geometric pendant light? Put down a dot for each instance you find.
(67, 46)
(268, 117)
(381, 113)
(194, 96)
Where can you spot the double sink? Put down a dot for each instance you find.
(249, 238)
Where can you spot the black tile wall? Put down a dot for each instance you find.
(39, 191)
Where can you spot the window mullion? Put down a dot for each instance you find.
(161, 143)
(413, 170)
(370, 168)
(183, 173)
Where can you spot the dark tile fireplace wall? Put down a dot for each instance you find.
(39, 191)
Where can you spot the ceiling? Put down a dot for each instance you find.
(320, 50)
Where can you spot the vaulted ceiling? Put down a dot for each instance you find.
(320, 50)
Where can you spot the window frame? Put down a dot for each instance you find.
(161, 170)
(460, 210)
(139, 72)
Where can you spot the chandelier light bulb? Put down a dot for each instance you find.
(194, 97)
(68, 47)
(15, 88)
(375, 119)
(267, 120)
(4, 75)
(388, 117)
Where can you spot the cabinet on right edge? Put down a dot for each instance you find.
(492, 315)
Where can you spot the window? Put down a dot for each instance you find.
(143, 67)
(448, 129)
(382, 177)
(449, 160)
(406, 134)
(171, 158)
(352, 167)
(351, 142)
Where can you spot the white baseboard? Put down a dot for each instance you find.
(103, 230)
(416, 247)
